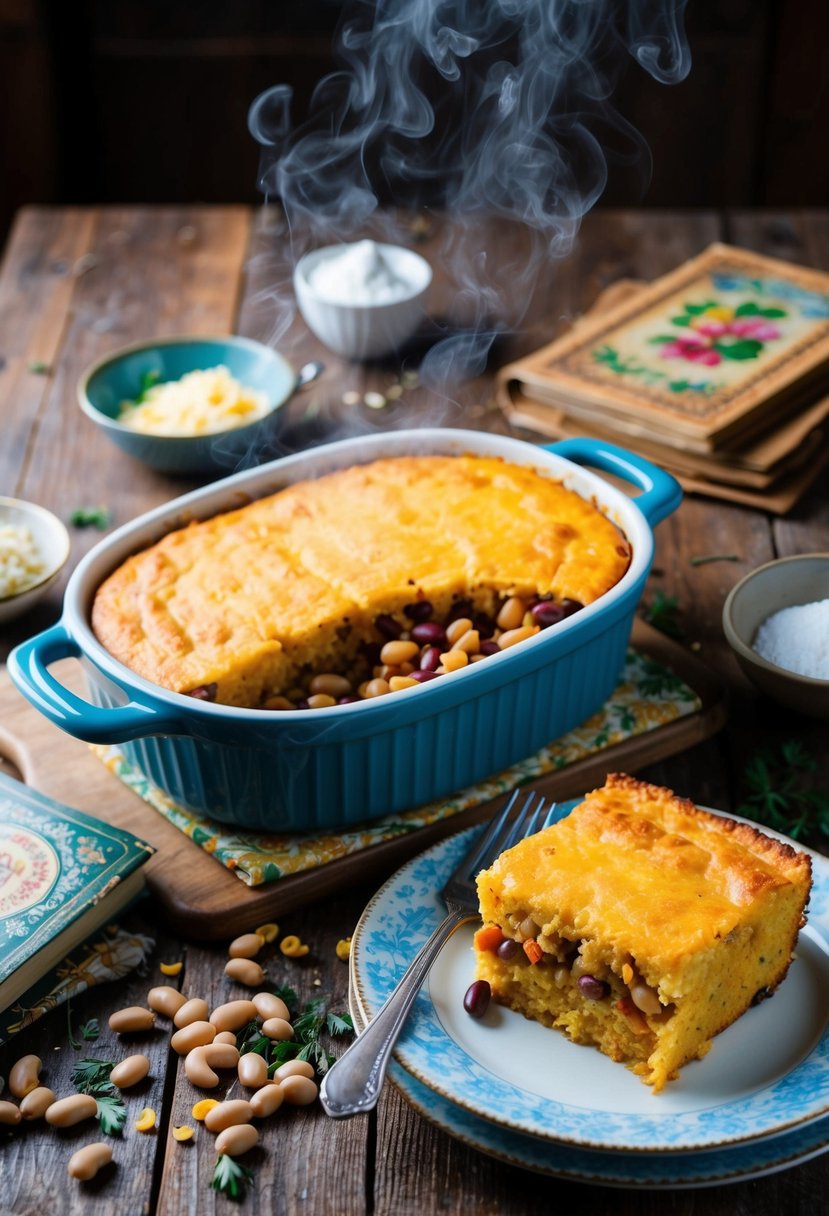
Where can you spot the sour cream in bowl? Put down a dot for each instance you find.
(362, 300)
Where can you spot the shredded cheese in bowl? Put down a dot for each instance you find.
(200, 403)
(21, 562)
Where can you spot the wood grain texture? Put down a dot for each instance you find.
(34, 1156)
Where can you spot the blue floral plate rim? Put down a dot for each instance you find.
(403, 913)
(654, 1171)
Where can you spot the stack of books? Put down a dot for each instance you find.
(718, 371)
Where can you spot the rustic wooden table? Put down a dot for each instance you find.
(77, 283)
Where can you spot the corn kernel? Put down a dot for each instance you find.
(183, 1133)
(292, 947)
(146, 1120)
(343, 948)
(170, 968)
(268, 931)
(201, 1108)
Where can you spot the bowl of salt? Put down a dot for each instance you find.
(776, 621)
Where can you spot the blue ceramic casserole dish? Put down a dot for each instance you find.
(331, 768)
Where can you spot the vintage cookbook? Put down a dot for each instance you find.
(716, 352)
(63, 875)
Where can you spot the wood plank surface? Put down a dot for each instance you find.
(77, 283)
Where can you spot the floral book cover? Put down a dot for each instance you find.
(728, 342)
(56, 865)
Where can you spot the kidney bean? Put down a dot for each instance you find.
(484, 624)
(421, 610)
(348, 700)
(593, 989)
(459, 608)
(507, 949)
(246, 946)
(388, 627)
(430, 658)
(429, 632)
(548, 612)
(423, 677)
(476, 1000)
(489, 647)
(277, 1028)
(10, 1114)
(571, 606)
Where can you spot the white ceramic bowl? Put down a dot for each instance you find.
(52, 541)
(364, 331)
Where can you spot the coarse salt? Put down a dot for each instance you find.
(797, 638)
(21, 562)
(360, 274)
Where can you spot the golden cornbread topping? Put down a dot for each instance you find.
(318, 578)
(640, 924)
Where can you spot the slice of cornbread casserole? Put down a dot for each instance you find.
(640, 924)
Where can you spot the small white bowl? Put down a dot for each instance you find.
(364, 331)
(52, 541)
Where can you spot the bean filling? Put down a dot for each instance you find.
(530, 946)
(419, 649)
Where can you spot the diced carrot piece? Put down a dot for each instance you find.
(533, 951)
(635, 1017)
(488, 938)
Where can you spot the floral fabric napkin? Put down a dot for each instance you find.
(647, 696)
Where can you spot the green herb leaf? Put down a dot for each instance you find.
(662, 613)
(231, 1178)
(38, 368)
(779, 793)
(339, 1023)
(705, 558)
(112, 1113)
(91, 517)
(287, 994)
(90, 1030)
(90, 1075)
(148, 380)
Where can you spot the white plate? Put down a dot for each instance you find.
(765, 1075)
(649, 1170)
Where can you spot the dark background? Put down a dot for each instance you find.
(144, 101)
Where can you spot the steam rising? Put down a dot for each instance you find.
(496, 107)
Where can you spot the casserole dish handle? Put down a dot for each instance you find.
(661, 493)
(28, 666)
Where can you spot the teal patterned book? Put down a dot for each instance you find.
(63, 874)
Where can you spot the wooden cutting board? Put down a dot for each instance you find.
(203, 900)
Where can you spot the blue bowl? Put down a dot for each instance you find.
(119, 377)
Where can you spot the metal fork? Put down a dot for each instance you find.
(352, 1085)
